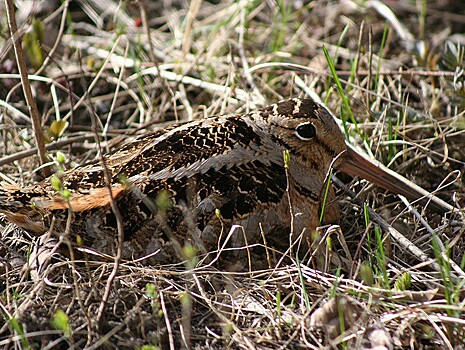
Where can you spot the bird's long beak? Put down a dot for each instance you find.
(356, 164)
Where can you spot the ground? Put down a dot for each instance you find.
(391, 70)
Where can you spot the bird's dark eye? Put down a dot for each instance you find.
(305, 131)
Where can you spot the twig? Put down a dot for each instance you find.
(61, 30)
(167, 321)
(434, 236)
(161, 72)
(191, 15)
(287, 161)
(55, 145)
(403, 241)
(113, 206)
(98, 344)
(145, 26)
(36, 123)
(248, 76)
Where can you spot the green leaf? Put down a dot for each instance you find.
(60, 321)
(403, 282)
(66, 194)
(61, 158)
(163, 200)
(151, 290)
(367, 275)
(33, 43)
(149, 347)
(57, 128)
(79, 240)
(56, 183)
(18, 327)
(190, 252)
(287, 158)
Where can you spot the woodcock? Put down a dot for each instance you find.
(192, 182)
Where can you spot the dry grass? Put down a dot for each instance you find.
(140, 65)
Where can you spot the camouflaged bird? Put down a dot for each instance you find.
(212, 173)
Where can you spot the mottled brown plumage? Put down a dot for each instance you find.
(216, 172)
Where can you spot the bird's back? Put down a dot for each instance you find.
(190, 183)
